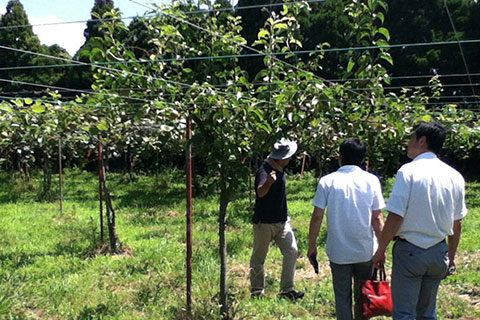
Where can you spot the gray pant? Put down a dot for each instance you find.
(342, 275)
(416, 276)
(263, 234)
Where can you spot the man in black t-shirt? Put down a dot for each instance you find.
(271, 221)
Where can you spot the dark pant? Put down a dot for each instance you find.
(342, 286)
(416, 276)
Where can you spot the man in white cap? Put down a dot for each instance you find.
(271, 221)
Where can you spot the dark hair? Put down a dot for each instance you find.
(434, 132)
(353, 151)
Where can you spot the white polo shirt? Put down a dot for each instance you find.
(429, 195)
(349, 194)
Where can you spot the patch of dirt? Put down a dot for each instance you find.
(173, 214)
(307, 272)
(239, 273)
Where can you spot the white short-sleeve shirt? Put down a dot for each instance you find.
(349, 194)
(429, 195)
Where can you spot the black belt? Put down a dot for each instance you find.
(397, 238)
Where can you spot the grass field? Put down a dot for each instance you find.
(51, 266)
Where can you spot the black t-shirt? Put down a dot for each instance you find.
(272, 208)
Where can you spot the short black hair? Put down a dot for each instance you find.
(434, 132)
(353, 151)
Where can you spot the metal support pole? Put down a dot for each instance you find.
(100, 186)
(303, 163)
(189, 173)
(60, 173)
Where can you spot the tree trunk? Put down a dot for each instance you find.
(224, 200)
(115, 244)
(26, 170)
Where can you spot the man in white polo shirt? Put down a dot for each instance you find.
(426, 206)
(354, 221)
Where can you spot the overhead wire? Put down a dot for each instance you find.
(245, 55)
(245, 46)
(110, 69)
(69, 89)
(459, 45)
(36, 92)
(77, 63)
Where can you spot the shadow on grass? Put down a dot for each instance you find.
(17, 260)
(148, 198)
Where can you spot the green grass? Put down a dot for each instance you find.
(51, 266)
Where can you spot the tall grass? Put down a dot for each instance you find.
(51, 266)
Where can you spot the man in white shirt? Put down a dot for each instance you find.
(426, 206)
(354, 222)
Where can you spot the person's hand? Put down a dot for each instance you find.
(312, 258)
(379, 260)
(452, 269)
(272, 177)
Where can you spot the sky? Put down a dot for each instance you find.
(70, 36)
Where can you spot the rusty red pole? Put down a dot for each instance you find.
(100, 187)
(303, 163)
(189, 169)
(60, 173)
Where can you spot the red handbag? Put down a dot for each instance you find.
(377, 296)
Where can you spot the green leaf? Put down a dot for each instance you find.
(351, 64)
(227, 114)
(102, 125)
(93, 131)
(38, 108)
(385, 33)
(370, 4)
(426, 118)
(380, 17)
(263, 34)
(18, 102)
(280, 26)
(94, 53)
(28, 101)
(5, 107)
(387, 57)
(382, 43)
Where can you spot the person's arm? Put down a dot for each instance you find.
(315, 225)
(453, 242)
(394, 221)
(377, 222)
(263, 189)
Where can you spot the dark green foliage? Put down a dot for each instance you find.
(23, 38)
(98, 11)
(422, 21)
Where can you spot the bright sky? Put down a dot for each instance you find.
(70, 36)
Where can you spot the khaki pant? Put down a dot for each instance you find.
(263, 235)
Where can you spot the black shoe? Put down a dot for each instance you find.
(257, 294)
(292, 295)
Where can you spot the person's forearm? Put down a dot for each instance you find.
(315, 225)
(390, 229)
(454, 240)
(263, 190)
(377, 223)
